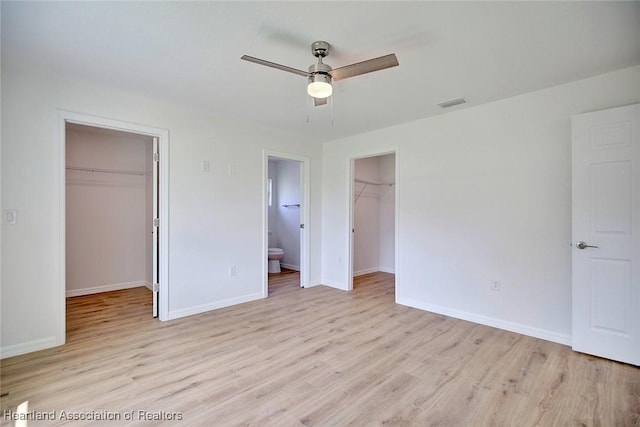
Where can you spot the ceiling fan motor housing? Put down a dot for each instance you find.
(320, 78)
(320, 68)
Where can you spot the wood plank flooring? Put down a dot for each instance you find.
(312, 357)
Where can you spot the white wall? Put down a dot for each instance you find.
(288, 219)
(106, 213)
(483, 193)
(215, 219)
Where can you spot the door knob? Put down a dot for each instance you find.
(583, 245)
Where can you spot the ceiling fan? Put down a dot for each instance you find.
(320, 75)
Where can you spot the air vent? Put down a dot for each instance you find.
(452, 103)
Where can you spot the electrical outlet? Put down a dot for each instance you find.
(205, 166)
(232, 270)
(495, 285)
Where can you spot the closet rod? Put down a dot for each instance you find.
(362, 181)
(74, 168)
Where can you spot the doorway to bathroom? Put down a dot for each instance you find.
(373, 217)
(286, 210)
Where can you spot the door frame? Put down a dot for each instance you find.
(65, 117)
(351, 212)
(304, 216)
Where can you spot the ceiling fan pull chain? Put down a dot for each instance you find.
(331, 112)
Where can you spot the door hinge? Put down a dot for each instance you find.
(156, 222)
(156, 157)
(156, 287)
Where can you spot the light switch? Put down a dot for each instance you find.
(11, 217)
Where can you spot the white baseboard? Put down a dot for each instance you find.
(313, 283)
(103, 288)
(290, 266)
(490, 321)
(27, 347)
(203, 308)
(365, 271)
(148, 285)
(374, 270)
(332, 284)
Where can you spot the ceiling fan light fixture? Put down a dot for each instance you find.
(320, 86)
(320, 75)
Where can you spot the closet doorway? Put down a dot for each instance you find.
(373, 215)
(114, 208)
(109, 210)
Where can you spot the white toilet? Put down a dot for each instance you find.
(274, 255)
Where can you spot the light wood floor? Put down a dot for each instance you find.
(316, 357)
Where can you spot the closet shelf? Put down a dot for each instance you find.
(362, 181)
(365, 182)
(76, 168)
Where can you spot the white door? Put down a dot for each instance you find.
(156, 228)
(606, 233)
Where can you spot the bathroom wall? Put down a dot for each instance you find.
(288, 219)
(374, 215)
(106, 213)
(272, 174)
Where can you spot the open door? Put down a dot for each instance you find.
(156, 227)
(606, 233)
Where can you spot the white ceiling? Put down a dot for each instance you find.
(189, 53)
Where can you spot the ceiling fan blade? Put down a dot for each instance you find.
(274, 65)
(319, 101)
(364, 67)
